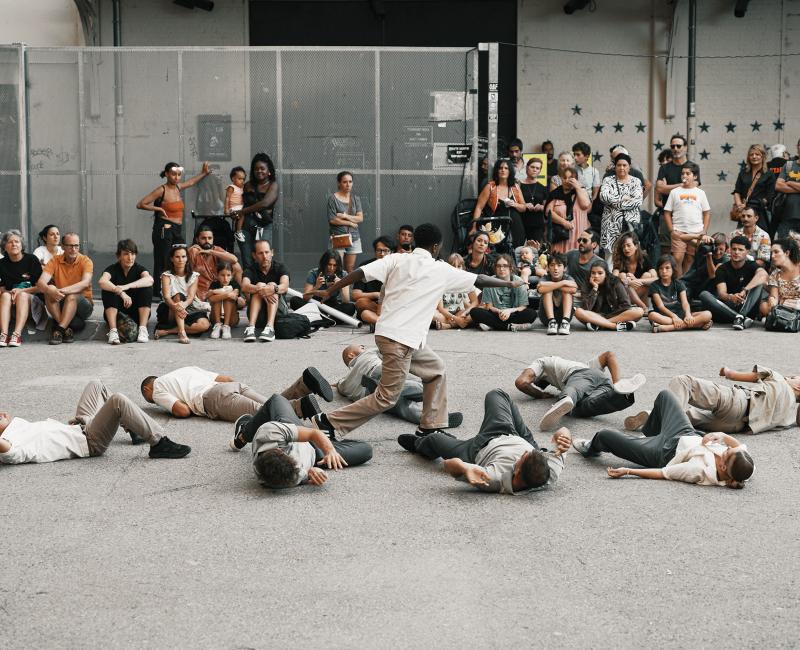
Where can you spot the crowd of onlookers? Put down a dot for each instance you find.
(579, 239)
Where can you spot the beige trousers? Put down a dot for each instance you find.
(712, 406)
(229, 400)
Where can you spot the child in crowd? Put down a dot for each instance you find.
(504, 308)
(234, 200)
(222, 295)
(454, 307)
(686, 214)
(606, 304)
(671, 309)
(527, 264)
(557, 289)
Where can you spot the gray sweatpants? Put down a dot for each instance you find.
(593, 394)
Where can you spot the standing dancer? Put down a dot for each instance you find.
(413, 284)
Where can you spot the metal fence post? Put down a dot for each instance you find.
(377, 142)
(475, 165)
(84, 203)
(494, 102)
(22, 112)
(279, 146)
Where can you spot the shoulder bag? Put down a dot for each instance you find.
(338, 242)
(736, 211)
(783, 319)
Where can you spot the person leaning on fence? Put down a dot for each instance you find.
(166, 204)
(19, 275)
(69, 297)
(266, 283)
(127, 292)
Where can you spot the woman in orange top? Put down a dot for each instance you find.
(166, 204)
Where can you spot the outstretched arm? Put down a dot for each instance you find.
(483, 281)
(346, 281)
(474, 474)
(641, 473)
(734, 375)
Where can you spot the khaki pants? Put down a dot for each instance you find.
(229, 400)
(101, 415)
(398, 361)
(712, 406)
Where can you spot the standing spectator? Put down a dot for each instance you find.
(557, 290)
(515, 156)
(671, 310)
(789, 183)
(633, 268)
(739, 287)
(126, 288)
(266, 283)
(580, 262)
(259, 195)
(778, 155)
(568, 211)
(755, 187)
(759, 239)
(166, 204)
(69, 298)
(615, 151)
(588, 176)
(605, 303)
(534, 194)
(19, 275)
(478, 260)
(319, 279)
(552, 165)
(565, 161)
(205, 258)
(344, 215)
(784, 281)
(367, 294)
(180, 311)
(669, 174)
(453, 311)
(504, 308)
(687, 214)
(622, 197)
(501, 199)
(50, 237)
(405, 239)
(223, 296)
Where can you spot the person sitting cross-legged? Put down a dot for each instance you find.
(672, 449)
(585, 390)
(502, 458)
(504, 308)
(453, 309)
(287, 454)
(557, 291)
(127, 292)
(181, 312)
(97, 419)
(671, 311)
(605, 303)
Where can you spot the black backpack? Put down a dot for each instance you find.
(292, 326)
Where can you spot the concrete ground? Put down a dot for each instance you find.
(124, 551)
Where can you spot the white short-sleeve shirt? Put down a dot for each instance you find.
(188, 385)
(687, 205)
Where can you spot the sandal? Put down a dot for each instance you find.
(708, 325)
(157, 335)
(182, 338)
(655, 327)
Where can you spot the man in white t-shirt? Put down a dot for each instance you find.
(98, 416)
(193, 391)
(687, 214)
(672, 449)
(413, 285)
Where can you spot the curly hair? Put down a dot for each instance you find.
(276, 469)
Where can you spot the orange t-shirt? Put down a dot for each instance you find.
(65, 274)
(206, 266)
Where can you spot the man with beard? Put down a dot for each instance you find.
(205, 257)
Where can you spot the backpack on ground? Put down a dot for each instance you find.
(292, 326)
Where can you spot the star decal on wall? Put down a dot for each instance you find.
(598, 157)
(778, 125)
(726, 148)
(704, 127)
(731, 127)
(704, 154)
(722, 176)
(658, 145)
(598, 128)
(618, 127)
(576, 110)
(756, 126)
(640, 127)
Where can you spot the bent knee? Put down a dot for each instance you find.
(524, 380)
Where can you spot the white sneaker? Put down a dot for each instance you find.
(520, 327)
(629, 385)
(555, 412)
(484, 327)
(583, 447)
(552, 327)
(563, 329)
(249, 334)
(113, 337)
(239, 235)
(267, 335)
(143, 336)
(216, 331)
(226, 332)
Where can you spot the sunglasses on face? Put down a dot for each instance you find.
(583, 240)
(675, 146)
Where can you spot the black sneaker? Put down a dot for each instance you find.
(317, 384)
(168, 449)
(454, 420)
(408, 441)
(321, 422)
(369, 384)
(309, 406)
(69, 335)
(56, 337)
(136, 440)
(421, 433)
(239, 438)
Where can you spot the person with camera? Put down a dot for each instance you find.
(344, 216)
(322, 277)
(259, 196)
(739, 285)
(712, 252)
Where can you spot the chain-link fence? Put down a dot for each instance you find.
(93, 128)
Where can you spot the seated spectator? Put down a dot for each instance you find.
(223, 296)
(367, 295)
(686, 214)
(579, 262)
(205, 259)
(557, 290)
(266, 283)
(527, 265)
(671, 449)
(286, 454)
(405, 239)
(784, 281)
(712, 253)
(19, 276)
(758, 238)
(180, 311)
(69, 298)
(127, 292)
(671, 310)
(534, 194)
(583, 390)
(477, 259)
(622, 196)
(318, 281)
(588, 176)
(633, 268)
(194, 391)
(605, 303)
(455, 306)
(568, 211)
(97, 420)
(50, 237)
(504, 308)
(755, 186)
(503, 457)
(739, 284)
